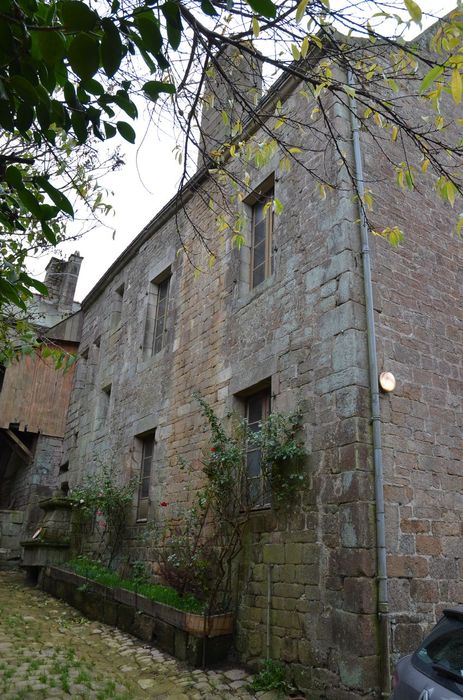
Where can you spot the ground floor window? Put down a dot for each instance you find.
(258, 407)
(147, 452)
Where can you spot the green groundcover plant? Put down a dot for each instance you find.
(94, 571)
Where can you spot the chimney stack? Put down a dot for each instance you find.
(61, 279)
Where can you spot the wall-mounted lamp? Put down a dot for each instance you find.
(387, 382)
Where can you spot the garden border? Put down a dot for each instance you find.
(190, 637)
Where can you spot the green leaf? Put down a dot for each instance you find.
(122, 100)
(48, 233)
(24, 89)
(171, 12)
(6, 117)
(24, 117)
(43, 116)
(208, 8)
(266, 8)
(430, 77)
(14, 177)
(456, 86)
(154, 87)
(70, 94)
(301, 8)
(77, 15)
(110, 130)
(414, 10)
(148, 26)
(112, 50)
(40, 287)
(7, 290)
(51, 45)
(126, 131)
(84, 55)
(30, 202)
(55, 195)
(79, 124)
(93, 87)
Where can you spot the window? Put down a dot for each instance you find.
(156, 324)
(261, 238)
(147, 452)
(117, 307)
(160, 320)
(103, 406)
(258, 407)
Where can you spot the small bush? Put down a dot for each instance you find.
(272, 676)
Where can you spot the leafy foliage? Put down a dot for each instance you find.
(272, 676)
(71, 74)
(196, 553)
(102, 501)
(99, 573)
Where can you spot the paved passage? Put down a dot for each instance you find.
(49, 651)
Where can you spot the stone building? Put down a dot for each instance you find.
(34, 399)
(282, 322)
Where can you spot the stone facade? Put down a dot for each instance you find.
(34, 398)
(303, 332)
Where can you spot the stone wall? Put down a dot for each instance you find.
(418, 292)
(302, 329)
(11, 523)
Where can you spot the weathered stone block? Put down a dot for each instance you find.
(273, 554)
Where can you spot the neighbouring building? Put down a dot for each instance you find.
(34, 399)
(282, 322)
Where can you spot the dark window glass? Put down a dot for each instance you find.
(257, 409)
(261, 243)
(145, 476)
(441, 655)
(160, 322)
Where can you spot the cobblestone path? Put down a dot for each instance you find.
(49, 651)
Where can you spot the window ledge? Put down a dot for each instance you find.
(149, 362)
(255, 292)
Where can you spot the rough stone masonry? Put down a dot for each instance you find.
(301, 331)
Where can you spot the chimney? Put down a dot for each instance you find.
(61, 279)
(233, 87)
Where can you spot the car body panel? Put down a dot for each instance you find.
(418, 676)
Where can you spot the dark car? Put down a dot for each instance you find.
(435, 670)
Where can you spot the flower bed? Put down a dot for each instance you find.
(186, 635)
(160, 594)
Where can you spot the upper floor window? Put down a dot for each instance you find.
(160, 320)
(258, 408)
(116, 312)
(262, 238)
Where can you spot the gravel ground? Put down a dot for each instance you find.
(49, 651)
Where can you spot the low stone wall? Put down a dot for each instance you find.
(169, 629)
(11, 523)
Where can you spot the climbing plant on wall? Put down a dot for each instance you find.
(197, 549)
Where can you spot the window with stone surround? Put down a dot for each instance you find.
(257, 408)
(261, 263)
(147, 443)
(104, 402)
(116, 311)
(157, 314)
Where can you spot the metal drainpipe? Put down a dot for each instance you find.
(383, 604)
